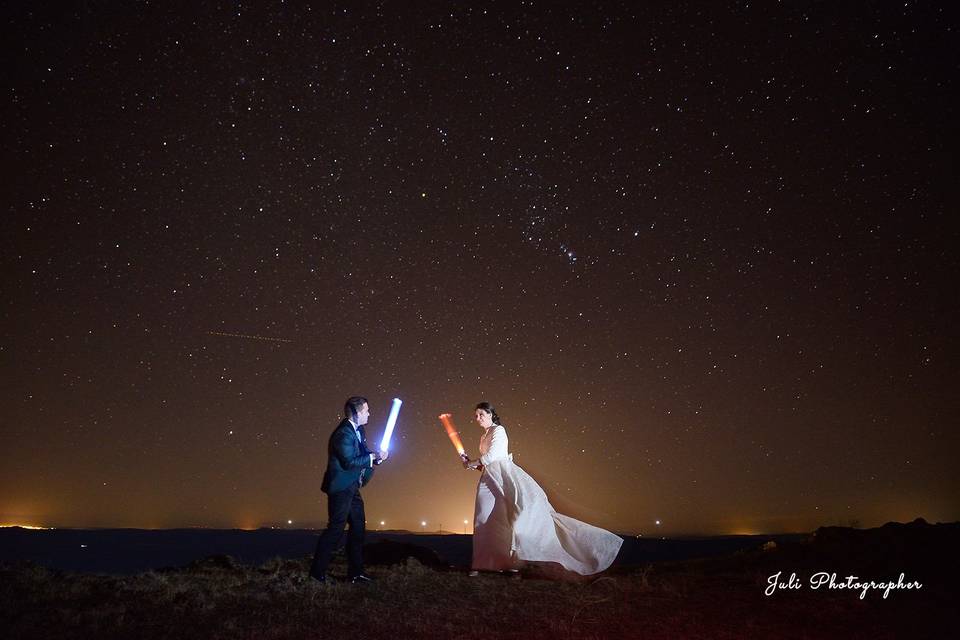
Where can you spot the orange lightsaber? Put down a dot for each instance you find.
(447, 421)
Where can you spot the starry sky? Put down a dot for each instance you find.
(701, 257)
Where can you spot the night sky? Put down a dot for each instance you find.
(700, 256)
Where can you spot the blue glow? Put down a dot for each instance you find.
(391, 421)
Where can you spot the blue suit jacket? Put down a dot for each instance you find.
(348, 460)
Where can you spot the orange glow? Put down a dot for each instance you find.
(447, 420)
(23, 526)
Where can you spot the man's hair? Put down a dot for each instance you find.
(352, 407)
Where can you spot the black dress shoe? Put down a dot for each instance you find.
(361, 579)
(323, 579)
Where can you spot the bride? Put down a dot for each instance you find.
(514, 521)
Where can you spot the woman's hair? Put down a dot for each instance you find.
(352, 407)
(486, 406)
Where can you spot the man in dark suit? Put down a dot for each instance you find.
(349, 466)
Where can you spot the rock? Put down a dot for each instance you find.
(388, 552)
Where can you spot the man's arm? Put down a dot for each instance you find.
(343, 448)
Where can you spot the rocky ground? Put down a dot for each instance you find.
(416, 595)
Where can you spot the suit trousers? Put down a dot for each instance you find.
(343, 508)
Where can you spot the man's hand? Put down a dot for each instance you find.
(380, 456)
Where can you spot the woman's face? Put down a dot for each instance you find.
(484, 418)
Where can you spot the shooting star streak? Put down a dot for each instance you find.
(242, 335)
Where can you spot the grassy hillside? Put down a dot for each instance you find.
(219, 598)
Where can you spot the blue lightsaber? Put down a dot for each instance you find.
(391, 421)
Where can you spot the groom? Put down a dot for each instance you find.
(349, 467)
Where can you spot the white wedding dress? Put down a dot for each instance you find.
(515, 523)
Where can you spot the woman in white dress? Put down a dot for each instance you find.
(514, 521)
